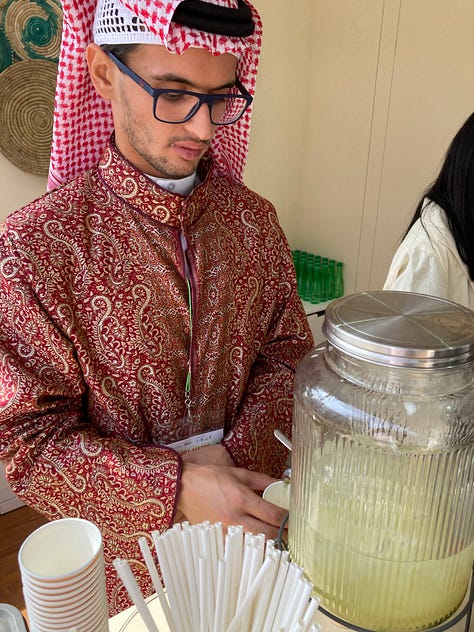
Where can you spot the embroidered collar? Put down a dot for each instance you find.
(138, 190)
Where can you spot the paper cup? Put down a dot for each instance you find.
(56, 592)
(92, 617)
(60, 550)
(91, 623)
(69, 612)
(63, 577)
(278, 493)
(88, 594)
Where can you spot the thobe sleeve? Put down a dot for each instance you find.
(268, 400)
(57, 461)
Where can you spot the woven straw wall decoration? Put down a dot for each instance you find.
(30, 41)
(27, 91)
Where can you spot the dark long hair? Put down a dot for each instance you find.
(453, 191)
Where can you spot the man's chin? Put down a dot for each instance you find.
(175, 170)
(172, 174)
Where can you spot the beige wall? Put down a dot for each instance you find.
(388, 83)
(432, 94)
(356, 103)
(17, 187)
(279, 111)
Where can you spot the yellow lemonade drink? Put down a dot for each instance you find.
(379, 532)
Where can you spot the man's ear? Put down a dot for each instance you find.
(102, 71)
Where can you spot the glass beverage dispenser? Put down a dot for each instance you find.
(382, 489)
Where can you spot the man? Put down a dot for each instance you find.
(150, 323)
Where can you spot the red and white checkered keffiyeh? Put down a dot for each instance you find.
(83, 119)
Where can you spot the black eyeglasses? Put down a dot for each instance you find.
(178, 106)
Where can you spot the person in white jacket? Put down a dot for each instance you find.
(436, 255)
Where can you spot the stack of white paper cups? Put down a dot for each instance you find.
(63, 577)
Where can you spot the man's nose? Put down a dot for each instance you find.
(201, 124)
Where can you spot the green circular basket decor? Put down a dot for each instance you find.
(33, 27)
(27, 90)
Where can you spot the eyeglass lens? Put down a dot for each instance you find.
(175, 108)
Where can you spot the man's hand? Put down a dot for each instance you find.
(209, 455)
(213, 489)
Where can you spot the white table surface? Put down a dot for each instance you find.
(130, 621)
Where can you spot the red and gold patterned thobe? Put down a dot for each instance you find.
(96, 340)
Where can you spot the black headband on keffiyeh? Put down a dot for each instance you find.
(212, 18)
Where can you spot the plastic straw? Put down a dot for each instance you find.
(191, 572)
(210, 577)
(305, 594)
(258, 545)
(194, 539)
(211, 553)
(220, 540)
(254, 588)
(256, 557)
(247, 559)
(176, 560)
(229, 596)
(265, 595)
(291, 577)
(298, 598)
(243, 584)
(155, 578)
(297, 626)
(123, 569)
(166, 571)
(308, 617)
(278, 587)
(203, 610)
(220, 597)
(297, 605)
(234, 556)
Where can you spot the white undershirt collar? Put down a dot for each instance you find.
(183, 186)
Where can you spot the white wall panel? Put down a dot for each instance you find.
(432, 95)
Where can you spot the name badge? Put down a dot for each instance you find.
(198, 441)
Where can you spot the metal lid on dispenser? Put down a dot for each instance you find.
(401, 329)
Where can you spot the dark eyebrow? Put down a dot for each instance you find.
(186, 82)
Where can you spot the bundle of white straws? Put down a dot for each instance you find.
(238, 584)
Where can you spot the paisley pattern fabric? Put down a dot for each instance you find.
(95, 339)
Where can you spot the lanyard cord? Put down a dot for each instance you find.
(187, 388)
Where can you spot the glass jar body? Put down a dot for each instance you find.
(382, 491)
